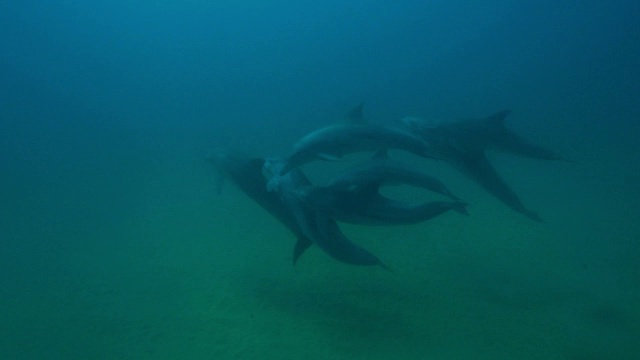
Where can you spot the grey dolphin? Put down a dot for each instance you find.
(382, 171)
(489, 133)
(331, 143)
(357, 200)
(317, 226)
(246, 174)
(463, 143)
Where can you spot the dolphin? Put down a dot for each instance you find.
(246, 174)
(316, 225)
(463, 143)
(354, 196)
(382, 171)
(332, 142)
(489, 133)
(366, 206)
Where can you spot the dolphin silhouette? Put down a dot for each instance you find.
(354, 196)
(463, 143)
(382, 171)
(366, 206)
(332, 142)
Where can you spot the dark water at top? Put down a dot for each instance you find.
(113, 243)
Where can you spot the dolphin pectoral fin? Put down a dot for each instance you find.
(302, 244)
(328, 157)
(331, 239)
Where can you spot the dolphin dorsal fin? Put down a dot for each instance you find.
(497, 119)
(354, 116)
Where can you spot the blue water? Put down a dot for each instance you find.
(114, 243)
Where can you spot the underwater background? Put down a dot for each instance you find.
(115, 245)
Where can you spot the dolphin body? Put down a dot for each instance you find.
(354, 196)
(463, 144)
(333, 142)
(385, 172)
(316, 225)
(366, 206)
(246, 174)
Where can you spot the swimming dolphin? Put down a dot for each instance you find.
(489, 133)
(382, 171)
(354, 196)
(317, 226)
(366, 206)
(331, 143)
(246, 174)
(462, 144)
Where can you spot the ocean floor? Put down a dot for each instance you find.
(192, 275)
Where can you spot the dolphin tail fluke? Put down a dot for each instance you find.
(384, 266)
(301, 246)
(460, 207)
(533, 216)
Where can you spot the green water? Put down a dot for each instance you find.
(184, 273)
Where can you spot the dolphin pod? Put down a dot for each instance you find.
(312, 212)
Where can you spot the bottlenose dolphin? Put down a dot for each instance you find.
(332, 142)
(354, 196)
(489, 133)
(366, 206)
(463, 143)
(317, 226)
(382, 171)
(246, 174)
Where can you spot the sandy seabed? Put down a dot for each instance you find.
(211, 278)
